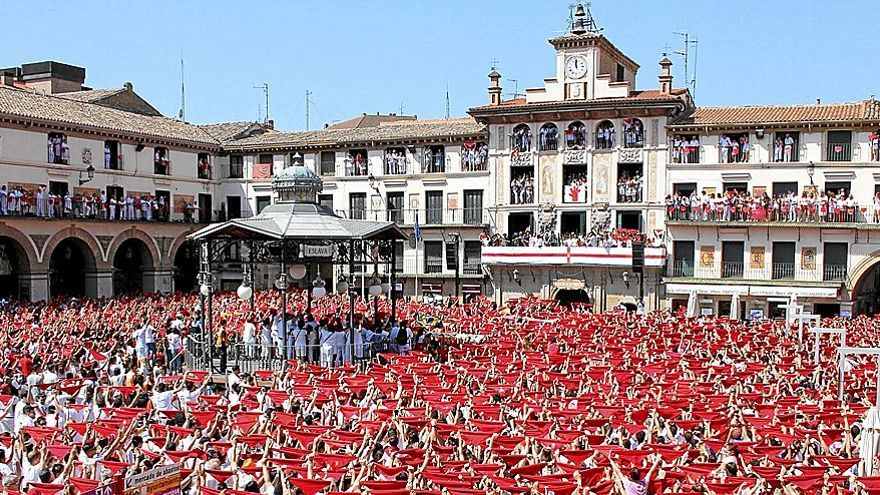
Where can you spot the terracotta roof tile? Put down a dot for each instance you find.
(643, 95)
(385, 131)
(770, 114)
(53, 108)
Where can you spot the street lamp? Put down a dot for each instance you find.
(810, 171)
(626, 279)
(319, 290)
(375, 290)
(297, 271)
(90, 173)
(341, 285)
(456, 241)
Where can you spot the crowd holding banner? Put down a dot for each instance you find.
(529, 397)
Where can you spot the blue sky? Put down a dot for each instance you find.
(370, 56)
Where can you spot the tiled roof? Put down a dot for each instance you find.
(366, 120)
(91, 95)
(385, 131)
(228, 131)
(27, 104)
(648, 95)
(867, 110)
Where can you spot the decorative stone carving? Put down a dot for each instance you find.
(521, 159)
(655, 126)
(574, 157)
(630, 155)
(601, 163)
(547, 183)
(39, 241)
(547, 218)
(652, 177)
(601, 217)
(105, 241)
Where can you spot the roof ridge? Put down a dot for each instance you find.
(857, 102)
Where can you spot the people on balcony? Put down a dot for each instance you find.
(605, 135)
(521, 139)
(435, 160)
(204, 168)
(685, 149)
(735, 149)
(576, 185)
(549, 137)
(742, 206)
(45, 204)
(474, 156)
(874, 142)
(576, 136)
(596, 238)
(629, 188)
(634, 133)
(783, 148)
(355, 164)
(161, 162)
(395, 161)
(59, 151)
(522, 189)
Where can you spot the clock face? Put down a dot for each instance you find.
(576, 67)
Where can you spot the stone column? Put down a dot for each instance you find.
(99, 283)
(34, 285)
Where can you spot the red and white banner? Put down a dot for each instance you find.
(596, 256)
(574, 194)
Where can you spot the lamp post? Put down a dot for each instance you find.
(375, 290)
(90, 174)
(810, 171)
(205, 279)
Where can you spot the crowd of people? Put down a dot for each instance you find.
(629, 188)
(526, 397)
(734, 149)
(521, 139)
(59, 150)
(576, 136)
(356, 163)
(395, 161)
(605, 135)
(742, 206)
(474, 156)
(603, 238)
(633, 133)
(685, 149)
(43, 203)
(522, 189)
(785, 148)
(549, 136)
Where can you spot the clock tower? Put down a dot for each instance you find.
(588, 66)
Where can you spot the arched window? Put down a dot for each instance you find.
(549, 137)
(576, 136)
(605, 137)
(633, 133)
(521, 139)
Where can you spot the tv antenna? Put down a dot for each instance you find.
(308, 102)
(690, 78)
(515, 93)
(182, 113)
(447, 100)
(265, 88)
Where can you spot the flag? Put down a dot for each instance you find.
(262, 170)
(417, 232)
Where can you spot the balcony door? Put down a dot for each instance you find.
(732, 255)
(783, 260)
(835, 256)
(683, 259)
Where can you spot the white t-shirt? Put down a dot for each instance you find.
(164, 400)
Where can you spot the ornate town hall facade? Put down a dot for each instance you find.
(740, 208)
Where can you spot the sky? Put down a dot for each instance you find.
(379, 56)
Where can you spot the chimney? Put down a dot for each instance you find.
(665, 77)
(128, 86)
(270, 124)
(7, 79)
(494, 87)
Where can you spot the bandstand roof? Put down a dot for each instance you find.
(299, 219)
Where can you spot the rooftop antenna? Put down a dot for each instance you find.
(401, 108)
(690, 80)
(493, 64)
(265, 88)
(308, 94)
(515, 93)
(182, 113)
(447, 100)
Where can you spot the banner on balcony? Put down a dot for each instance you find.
(756, 260)
(808, 258)
(562, 255)
(707, 256)
(574, 194)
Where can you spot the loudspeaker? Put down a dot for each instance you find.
(139, 147)
(638, 257)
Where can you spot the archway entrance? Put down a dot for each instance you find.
(69, 263)
(866, 293)
(13, 267)
(567, 297)
(131, 265)
(186, 267)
